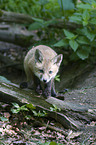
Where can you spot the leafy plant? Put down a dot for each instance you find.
(26, 107)
(55, 108)
(39, 114)
(30, 106)
(57, 78)
(81, 40)
(18, 108)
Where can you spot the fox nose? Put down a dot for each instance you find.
(44, 81)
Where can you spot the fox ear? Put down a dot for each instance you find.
(57, 59)
(38, 56)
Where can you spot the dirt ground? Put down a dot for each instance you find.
(84, 90)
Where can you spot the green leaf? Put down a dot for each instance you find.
(83, 52)
(88, 34)
(86, 15)
(94, 4)
(53, 143)
(55, 108)
(66, 4)
(84, 6)
(30, 106)
(24, 108)
(82, 40)
(57, 78)
(74, 45)
(85, 23)
(75, 18)
(35, 26)
(15, 105)
(61, 43)
(35, 113)
(28, 117)
(38, 20)
(3, 119)
(93, 21)
(41, 24)
(69, 35)
(15, 110)
(39, 114)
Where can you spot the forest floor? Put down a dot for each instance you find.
(80, 80)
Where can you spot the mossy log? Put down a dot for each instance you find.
(69, 111)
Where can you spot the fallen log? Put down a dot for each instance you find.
(12, 93)
(16, 35)
(12, 17)
(23, 37)
(10, 63)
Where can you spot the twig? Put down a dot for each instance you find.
(86, 139)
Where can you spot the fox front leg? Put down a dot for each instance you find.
(50, 89)
(37, 85)
(53, 92)
(47, 90)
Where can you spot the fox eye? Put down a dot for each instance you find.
(50, 72)
(41, 71)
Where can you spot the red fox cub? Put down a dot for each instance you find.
(41, 65)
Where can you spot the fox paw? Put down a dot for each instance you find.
(47, 94)
(23, 85)
(60, 96)
(39, 91)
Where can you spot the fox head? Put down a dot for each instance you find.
(46, 69)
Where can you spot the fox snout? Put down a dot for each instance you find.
(45, 81)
